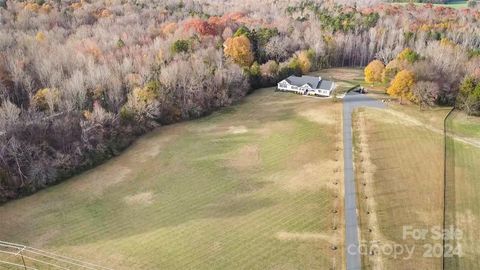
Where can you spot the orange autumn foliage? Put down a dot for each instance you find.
(200, 26)
(402, 85)
(34, 7)
(169, 28)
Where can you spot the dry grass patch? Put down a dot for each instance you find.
(99, 180)
(142, 199)
(45, 238)
(247, 156)
(237, 129)
(307, 177)
(276, 127)
(365, 178)
(306, 236)
(320, 115)
(398, 160)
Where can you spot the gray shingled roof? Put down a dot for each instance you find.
(314, 82)
(325, 85)
(299, 81)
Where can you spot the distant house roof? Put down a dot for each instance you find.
(325, 85)
(313, 82)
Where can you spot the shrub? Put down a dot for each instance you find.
(40, 36)
(181, 46)
(285, 71)
(126, 114)
(148, 93)
(45, 99)
(305, 60)
(295, 66)
(270, 68)
(255, 75)
(9, 114)
(263, 35)
(469, 95)
(242, 31)
(408, 55)
(120, 43)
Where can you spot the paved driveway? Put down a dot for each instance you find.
(351, 101)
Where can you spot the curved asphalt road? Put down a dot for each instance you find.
(351, 101)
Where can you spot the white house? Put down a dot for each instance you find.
(307, 85)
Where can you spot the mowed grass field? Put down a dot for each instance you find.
(399, 172)
(344, 78)
(253, 186)
(463, 188)
(457, 4)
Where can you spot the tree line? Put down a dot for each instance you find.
(80, 80)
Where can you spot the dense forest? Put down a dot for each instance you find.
(80, 80)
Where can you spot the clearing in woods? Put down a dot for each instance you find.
(253, 186)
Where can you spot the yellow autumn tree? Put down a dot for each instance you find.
(402, 85)
(40, 36)
(239, 49)
(305, 60)
(33, 7)
(374, 71)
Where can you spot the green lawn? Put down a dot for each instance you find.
(468, 126)
(249, 187)
(463, 188)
